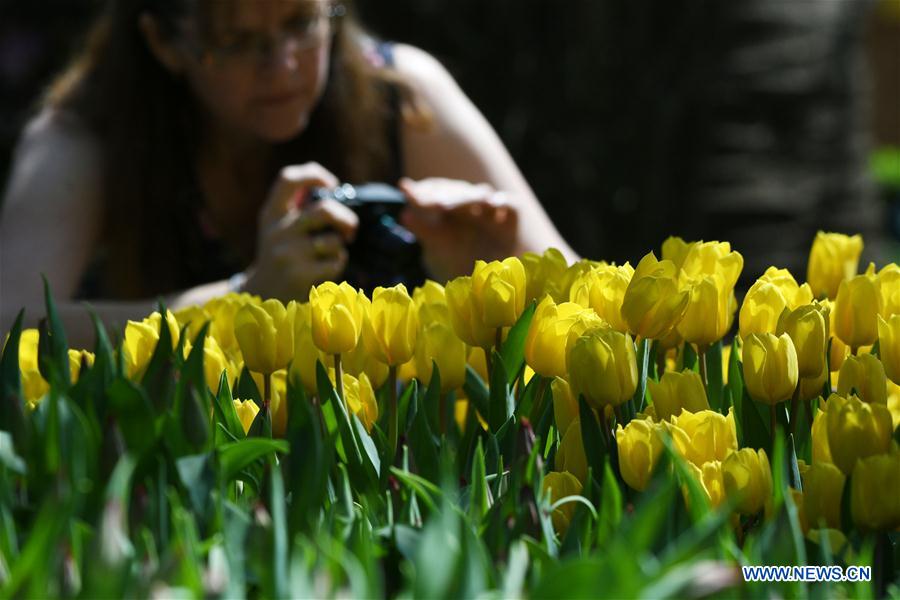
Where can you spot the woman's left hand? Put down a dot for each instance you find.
(458, 222)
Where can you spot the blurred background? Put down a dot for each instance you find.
(757, 122)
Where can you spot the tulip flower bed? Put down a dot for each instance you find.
(537, 429)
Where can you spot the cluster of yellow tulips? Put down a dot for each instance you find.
(794, 341)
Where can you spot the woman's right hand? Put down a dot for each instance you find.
(300, 244)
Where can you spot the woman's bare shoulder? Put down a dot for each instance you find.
(56, 153)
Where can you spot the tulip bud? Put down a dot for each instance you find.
(888, 284)
(761, 309)
(543, 274)
(823, 485)
(565, 405)
(360, 398)
(498, 290)
(856, 311)
(838, 350)
(856, 429)
(710, 435)
(676, 391)
(466, 319)
(337, 313)
(222, 311)
(603, 367)
(306, 354)
(561, 485)
(653, 305)
(553, 330)
(865, 374)
(603, 290)
(391, 325)
(140, 341)
(246, 411)
(438, 343)
(875, 492)
(360, 360)
(820, 451)
(711, 480)
(808, 328)
(431, 302)
(710, 310)
(889, 346)
(278, 408)
(811, 387)
(570, 455)
(770, 367)
(747, 476)
(265, 334)
(833, 258)
(676, 250)
(639, 444)
(214, 363)
(794, 295)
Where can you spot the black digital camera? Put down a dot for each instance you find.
(384, 253)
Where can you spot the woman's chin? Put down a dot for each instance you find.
(282, 130)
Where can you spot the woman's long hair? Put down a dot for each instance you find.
(146, 122)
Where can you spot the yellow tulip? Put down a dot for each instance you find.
(710, 477)
(833, 258)
(391, 325)
(653, 305)
(710, 310)
(837, 541)
(713, 258)
(823, 485)
(603, 290)
(711, 436)
(553, 329)
(838, 350)
(337, 313)
(821, 453)
(360, 398)
(761, 309)
(602, 365)
(889, 346)
(306, 355)
(215, 363)
(893, 402)
(246, 411)
(795, 295)
(565, 405)
(747, 476)
(856, 429)
(140, 341)
(856, 311)
(265, 334)
(640, 444)
(875, 492)
(770, 367)
(222, 311)
(561, 290)
(278, 405)
(570, 455)
(676, 250)
(498, 291)
(438, 343)
(76, 359)
(466, 319)
(558, 486)
(865, 374)
(808, 328)
(811, 387)
(544, 274)
(676, 391)
(431, 302)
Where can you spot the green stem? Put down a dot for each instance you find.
(537, 409)
(442, 407)
(772, 422)
(339, 377)
(795, 404)
(488, 363)
(498, 343)
(393, 417)
(701, 355)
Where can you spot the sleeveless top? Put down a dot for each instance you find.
(207, 257)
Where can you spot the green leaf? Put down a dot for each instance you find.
(592, 437)
(610, 506)
(131, 408)
(512, 352)
(639, 399)
(309, 462)
(502, 402)
(224, 411)
(159, 378)
(246, 388)
(479, 500)
(12, 403)
(8, 457)
(477, 391)
(236, 456)
(714, 387)
(198, 476)
(423, 446)
(279, 533)
(53, 349)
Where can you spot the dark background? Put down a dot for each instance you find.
(632, 119)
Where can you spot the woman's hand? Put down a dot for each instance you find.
(459, 222)
(300, 244)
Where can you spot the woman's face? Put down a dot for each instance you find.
(262, 67)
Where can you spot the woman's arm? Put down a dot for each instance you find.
(50, 223)
(461, 144)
